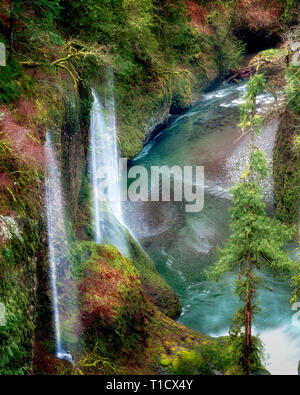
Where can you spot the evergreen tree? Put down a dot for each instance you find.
(26, 14)
(255, 243)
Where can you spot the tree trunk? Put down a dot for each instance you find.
(248, 316)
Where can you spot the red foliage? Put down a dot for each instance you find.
(260, 13)
(101, 294)
(256, 14)
(26, 109)
(20, 134)
(198, 14)
(45, 362)
(5, 181)
(4, 10)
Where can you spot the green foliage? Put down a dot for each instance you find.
(226, 354)
(143, 41)
(256, 236)
(253, 232)
(32, 21)
(181, 95)
(292, 89)
(255, 85)
(176, 37)
(17, 290)
(185, 362)
(227, 48)
(222, 354)
(259, 165)
(18, 263)
(124, 26)
(94, 362)
(10, 87)
(112, 301)
(288, 8)
(286, 154)
(286, 170)
(93, 19)
(44, 11)
(236, 354)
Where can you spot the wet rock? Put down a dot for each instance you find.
(182, 96)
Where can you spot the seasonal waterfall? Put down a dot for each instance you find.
(57, 243)
(104, 170)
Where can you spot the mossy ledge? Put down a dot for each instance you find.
(122, 332)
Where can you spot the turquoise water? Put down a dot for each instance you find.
(183, 245)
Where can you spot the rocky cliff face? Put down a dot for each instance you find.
(24, 285)
(286, 170)
(286, 154)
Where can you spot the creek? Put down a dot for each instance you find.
(183, 245)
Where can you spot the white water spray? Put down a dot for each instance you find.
(97, 129)
(57, 239)
(113, 151)
(104, 170)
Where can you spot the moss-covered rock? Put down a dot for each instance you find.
(286, 169)
(272, 63)
(139, 113)
(122, 331)
(20, 241)
(156, 289)
(182, 95)
(112, 302)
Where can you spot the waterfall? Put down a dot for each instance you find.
(113, 152)
(104, 171)
(57, 240)
(97, 129)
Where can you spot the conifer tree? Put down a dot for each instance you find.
(256, 240)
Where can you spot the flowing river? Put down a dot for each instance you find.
(183, 245)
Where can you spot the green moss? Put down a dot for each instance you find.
(270, 54)
(286, 169)
(85, 105)
(159, 292)
(182, 95)
(212, 356)
(138, 112)
(123, 332)
(18, 290)
(10, 86)
(185, 362)
(112, 301)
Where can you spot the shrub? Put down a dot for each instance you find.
(10, 88)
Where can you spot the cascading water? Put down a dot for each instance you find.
(104, 171)
(113, 152)
(57, 240)
(97, 129)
